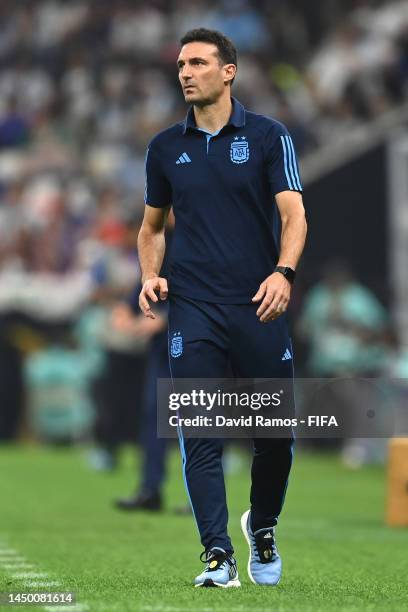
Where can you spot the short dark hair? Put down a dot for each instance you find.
(226, 48)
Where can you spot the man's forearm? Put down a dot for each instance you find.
(151, 248)
(293, 236)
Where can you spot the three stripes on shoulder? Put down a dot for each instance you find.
(289, 160)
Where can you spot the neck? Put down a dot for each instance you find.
(212, 117)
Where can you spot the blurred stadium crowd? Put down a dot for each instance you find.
(83, 87)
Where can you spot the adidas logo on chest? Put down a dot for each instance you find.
(183, 159)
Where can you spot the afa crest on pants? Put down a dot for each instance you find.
(239, 150)
(176, 345)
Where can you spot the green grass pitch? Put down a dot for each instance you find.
(337, 552)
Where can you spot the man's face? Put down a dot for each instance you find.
(201, 74)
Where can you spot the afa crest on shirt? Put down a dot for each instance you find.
(176, 345)
(239, 150)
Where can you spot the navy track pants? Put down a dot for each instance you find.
(215, 336)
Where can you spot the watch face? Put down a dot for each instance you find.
(287, 272)
(290, 274)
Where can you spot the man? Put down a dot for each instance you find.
(229, 285)
(149, 495)
(127, 318)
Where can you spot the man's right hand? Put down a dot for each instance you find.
(150, 286)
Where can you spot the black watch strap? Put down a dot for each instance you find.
(288, 273)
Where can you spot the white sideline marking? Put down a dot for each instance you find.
(11, 560)
(42, 583)
(16, 566)
(6, 552)
(22, 575)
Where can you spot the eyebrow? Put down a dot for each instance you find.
(180, 62)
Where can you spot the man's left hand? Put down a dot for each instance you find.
(274, 292)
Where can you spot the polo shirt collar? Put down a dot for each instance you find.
(236, 119)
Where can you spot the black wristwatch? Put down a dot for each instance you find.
(288, 273)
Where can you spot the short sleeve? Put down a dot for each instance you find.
(283, 169)
(157, 188)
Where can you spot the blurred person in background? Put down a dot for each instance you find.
(148, 496)
(343, 323)
(14, 127)
(11, 384)
(345, 326)
(59, 405)
(388, 403)
(118, 387)
(128, 318)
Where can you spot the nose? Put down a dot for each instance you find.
(185, 73)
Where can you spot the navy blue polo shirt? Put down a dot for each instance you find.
(222, 188)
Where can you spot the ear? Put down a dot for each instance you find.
(230, 70)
